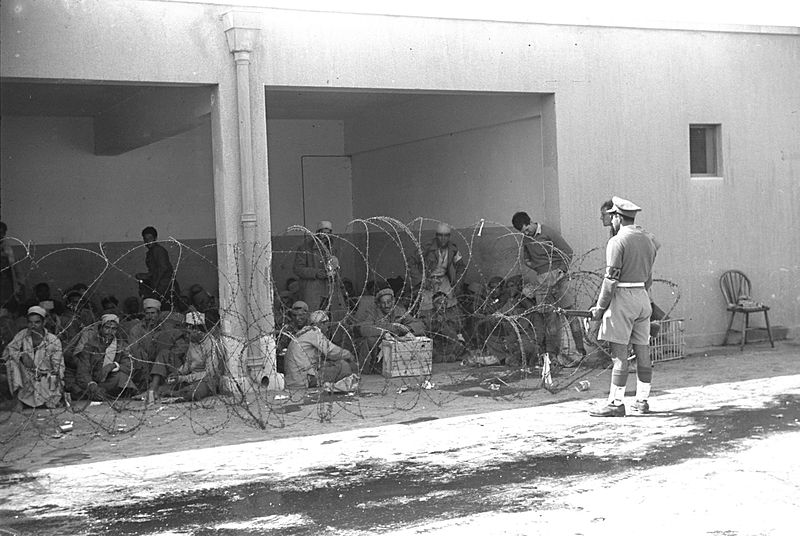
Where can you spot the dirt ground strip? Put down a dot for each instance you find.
(703, 462)
(30, 440)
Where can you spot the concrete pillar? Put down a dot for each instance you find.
(241, 194)
(551, 190)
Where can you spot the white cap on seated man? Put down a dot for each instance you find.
(151, 303)
(109, 317)
(37, 310)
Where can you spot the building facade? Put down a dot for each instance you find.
(223, 126)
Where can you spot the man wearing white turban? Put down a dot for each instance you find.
(35, 363)
(190, 359)
(143, 336)
(104, 363)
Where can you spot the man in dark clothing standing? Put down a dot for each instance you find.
(546, 252)
(159, 281)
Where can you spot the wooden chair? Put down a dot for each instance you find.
(735, 287)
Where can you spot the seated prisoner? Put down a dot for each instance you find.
(290, 293)
(484, 301)
(190, 361)
(54, 308)
(200, 299)
(142, 337)
(312, 359)
(365, 304)
(503, 326)
(104, 363)
(110, 305)
(297, 320)
(130, 309)
(43, 298)
(86, 300)
(77, 316)
(34, 363)
(443, 325)
(387, 318)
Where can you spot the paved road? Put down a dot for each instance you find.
(717, 459)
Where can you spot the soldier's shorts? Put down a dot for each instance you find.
(627, 319)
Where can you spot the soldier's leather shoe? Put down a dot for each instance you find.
(640, 407)
(609, 410)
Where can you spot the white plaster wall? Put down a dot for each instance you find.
(130, 40)
(56, 191)
(625, 131)
(288, 142)
(623, 101)
(451, 157)
(459, 178)
(428, 115)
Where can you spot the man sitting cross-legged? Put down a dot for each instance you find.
(443, 325)
(190, 360)
(104, 363)
(143, 336)
(387, 317)
(296, 320)
(312, 359)
(35, 363)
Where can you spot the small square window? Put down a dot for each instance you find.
(704, 151)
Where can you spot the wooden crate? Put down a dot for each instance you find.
(407, 358)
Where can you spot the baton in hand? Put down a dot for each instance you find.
(574, 312)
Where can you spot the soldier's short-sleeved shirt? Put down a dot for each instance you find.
(630, 255)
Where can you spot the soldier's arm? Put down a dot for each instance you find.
(610, 279)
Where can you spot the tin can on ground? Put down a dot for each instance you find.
(582, 385)
(66, 427)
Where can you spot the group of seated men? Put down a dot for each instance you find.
(326, 335)
(499, 319)
(511, 319)
(51, 349)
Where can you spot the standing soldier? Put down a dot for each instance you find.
(624, 307)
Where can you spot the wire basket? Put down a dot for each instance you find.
(669, 344)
